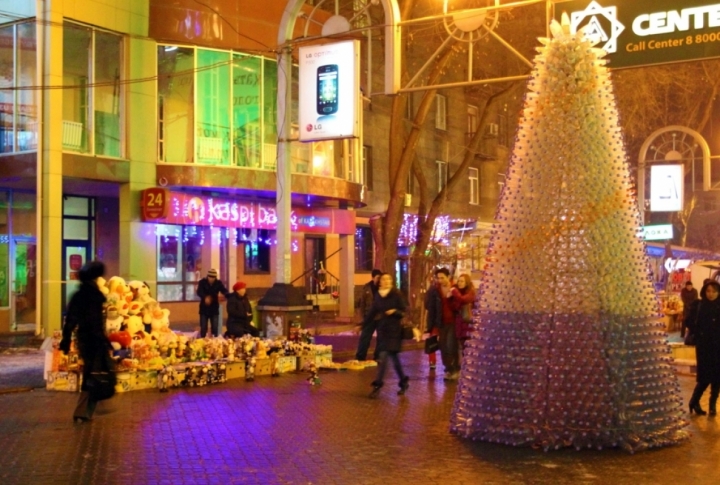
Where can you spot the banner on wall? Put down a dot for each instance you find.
(666, 188)
(329, 87)
(646, 32)
(198, 210)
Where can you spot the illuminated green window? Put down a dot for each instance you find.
(212, 125)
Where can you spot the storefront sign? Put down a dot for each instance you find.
(644, 32)
(329, 91)
(154, 203)
(658, 232)
(187, 209)
(666, 188)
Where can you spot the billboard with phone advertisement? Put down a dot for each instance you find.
(329, 91)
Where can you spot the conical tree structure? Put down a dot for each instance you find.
(569, 348)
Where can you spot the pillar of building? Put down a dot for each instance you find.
(138, 251)
(49, 173)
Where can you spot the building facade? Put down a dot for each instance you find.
(103, 100)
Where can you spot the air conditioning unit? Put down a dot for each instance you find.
(408, 200)
(492, 129)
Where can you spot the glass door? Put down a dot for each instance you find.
(23, 284)
(75, 255)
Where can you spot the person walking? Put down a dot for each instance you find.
(239, 309)
(85, 313)
(369, 292)
(389, 304)
(689, 296)
(704, 324)
(208, 290)
(441, 322)
(463, 301)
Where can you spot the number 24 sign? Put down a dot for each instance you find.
(155, 203)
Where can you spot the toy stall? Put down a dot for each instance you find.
(148, 354)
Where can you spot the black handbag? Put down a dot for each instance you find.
(690, 339)
(432, 344)
(101, 383)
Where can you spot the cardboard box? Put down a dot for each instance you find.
(235, 370)
(263, 367)
(144, 380)
(286, 363)
(63, 381)
(304, 360)
(124, 382)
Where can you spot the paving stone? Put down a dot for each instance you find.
(284, 431)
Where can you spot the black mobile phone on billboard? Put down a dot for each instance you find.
(327, 89)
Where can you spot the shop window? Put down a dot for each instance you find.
(18, 107)
(176, 87)
(256, 248)
(363, 249)
(179, 259)
(92, 117)
(247, 114)
(213, 113)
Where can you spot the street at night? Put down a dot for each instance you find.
(282, 430)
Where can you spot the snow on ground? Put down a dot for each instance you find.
(21, 367)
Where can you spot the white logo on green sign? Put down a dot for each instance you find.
(593, 28)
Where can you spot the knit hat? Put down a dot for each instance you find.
(212, 273)
(239, 286)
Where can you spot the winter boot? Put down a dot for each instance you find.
(376, 389)
(694, 403)
(404, 384)
(714, 392)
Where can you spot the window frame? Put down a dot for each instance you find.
(474, 182)
(442, 174)
(441, 112)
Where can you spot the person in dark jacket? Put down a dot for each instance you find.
(85, 313)
(705, 325)
(208, 290)
(441, 322)
(239, 321)
(389, 304)
(369, 291)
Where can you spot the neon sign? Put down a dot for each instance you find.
(196, 210)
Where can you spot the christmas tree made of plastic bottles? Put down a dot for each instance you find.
(569, 349)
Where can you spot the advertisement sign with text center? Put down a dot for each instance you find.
(645, 32)
(329, 91)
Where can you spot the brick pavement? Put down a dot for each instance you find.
(284, 431)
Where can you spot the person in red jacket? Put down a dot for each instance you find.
(463, 302)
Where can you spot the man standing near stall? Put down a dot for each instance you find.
(208, 290)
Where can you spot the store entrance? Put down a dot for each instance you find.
(75, 254)
(23, 283)
(314, 256)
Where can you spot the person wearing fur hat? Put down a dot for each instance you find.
(239, 321)
(85, 313)
(208, 290)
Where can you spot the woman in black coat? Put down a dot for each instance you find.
(704, 324)
(239, 313)
(389, 304)
(85, 313)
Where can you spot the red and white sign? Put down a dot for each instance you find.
(187, 209)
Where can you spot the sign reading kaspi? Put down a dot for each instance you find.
(643, 32)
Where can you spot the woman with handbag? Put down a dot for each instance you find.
(85, 313)
(389, 304)
(463, 301)
(704, 328)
